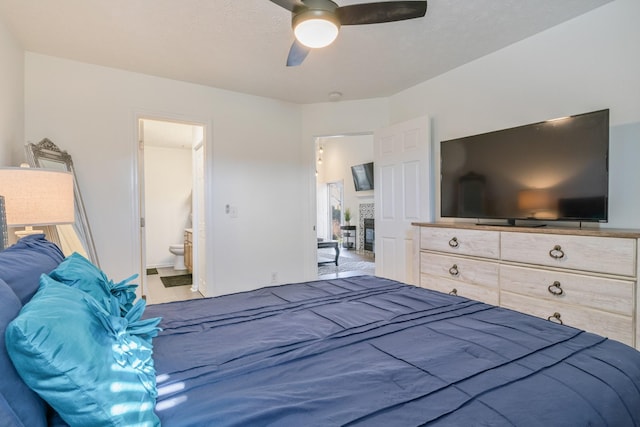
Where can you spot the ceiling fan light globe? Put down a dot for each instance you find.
(315, 32)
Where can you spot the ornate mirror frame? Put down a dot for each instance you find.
(77, 236)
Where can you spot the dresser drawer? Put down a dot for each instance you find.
(458, 269)
(611, 295)
(461, 289)
(611, 255)
(610, 325)
(478, 243)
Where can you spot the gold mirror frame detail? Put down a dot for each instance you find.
(74, 237)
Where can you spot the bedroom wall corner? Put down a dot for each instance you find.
(331, 119)
(585, 64)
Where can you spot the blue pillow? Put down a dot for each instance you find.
(19, 405)
(78, 272)
(93, 368)
(22, 264)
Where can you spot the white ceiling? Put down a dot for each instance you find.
(242, 45)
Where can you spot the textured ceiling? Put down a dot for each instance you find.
(242, 45)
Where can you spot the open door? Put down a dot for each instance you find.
(141, 212)
(403, 194)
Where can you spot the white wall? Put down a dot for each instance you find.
(12, 98)
(586, 64)
(168, 176)
(253, 162)
(262, 154)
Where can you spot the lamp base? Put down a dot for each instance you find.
(27, 232)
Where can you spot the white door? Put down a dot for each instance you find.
(141, 211)
(199, 266)
(403, 194)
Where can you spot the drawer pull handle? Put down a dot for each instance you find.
(555, 289)
(454, 292)
(557, 318)
(454, 270)
(454, 242)
(556, 252)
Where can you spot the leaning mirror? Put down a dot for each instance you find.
(74, 237)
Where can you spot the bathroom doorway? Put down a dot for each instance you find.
(171, 165)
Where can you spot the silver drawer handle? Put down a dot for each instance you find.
(454, 242)
(454, 292)
(556, 317)
(555, 289)
(454, 270)
(556, 252)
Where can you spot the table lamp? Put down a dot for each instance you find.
(34, 196)
(536, 203)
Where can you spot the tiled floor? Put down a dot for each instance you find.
(158, 293)
(350, 263)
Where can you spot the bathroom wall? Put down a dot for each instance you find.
(168, 184)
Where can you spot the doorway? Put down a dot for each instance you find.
(171, 206)
(340, 209)
(335, 212)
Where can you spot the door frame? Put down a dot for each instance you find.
(329, 217)
(137, 185)
(313, 188)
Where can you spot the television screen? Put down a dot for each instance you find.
(363, 176)
(552, 170)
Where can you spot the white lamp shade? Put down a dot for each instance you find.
(534, 199)
(316, 28)
(316, 33)
(37, 196)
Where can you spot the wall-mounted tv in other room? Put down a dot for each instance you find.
(363, 176)
(548, 171)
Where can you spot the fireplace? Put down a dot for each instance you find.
(369, 234)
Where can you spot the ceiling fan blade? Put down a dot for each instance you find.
(376, 13)
(297, 54)
(290, 5)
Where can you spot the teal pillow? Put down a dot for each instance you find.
(78, 272)
(93, 367)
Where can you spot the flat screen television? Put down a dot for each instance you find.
(555, 170)
(363, 176)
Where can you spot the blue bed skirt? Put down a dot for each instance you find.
(374, 352)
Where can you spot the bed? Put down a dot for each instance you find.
(373, 352)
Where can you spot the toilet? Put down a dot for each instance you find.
(178, 251)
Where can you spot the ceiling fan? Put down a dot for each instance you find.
(316, 22)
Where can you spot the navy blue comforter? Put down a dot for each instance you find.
(375, 352)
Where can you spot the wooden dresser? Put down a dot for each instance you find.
(188, 249)
(586, 278)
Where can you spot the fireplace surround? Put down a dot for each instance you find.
(369, 234)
